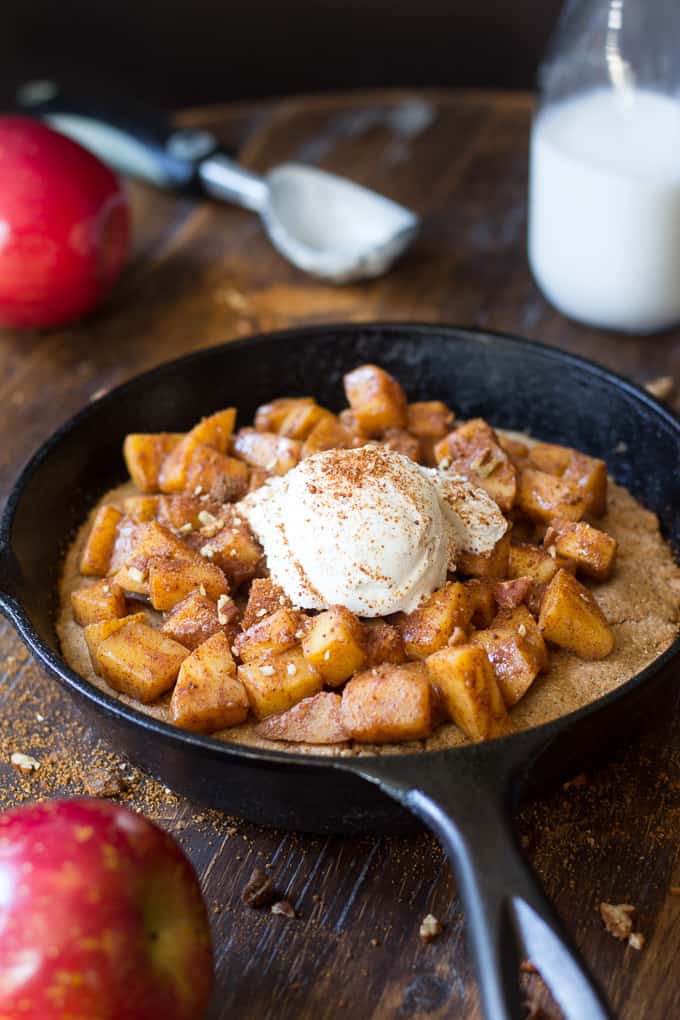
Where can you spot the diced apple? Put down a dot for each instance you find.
(270, 417)
(571, 618)
(589, 475)
(302, 420)
(334, 645)
(527, 560)
(273, 634)
(429, 627)
(473, 451)
(492, 564)
(314, 720)
(100, 601)
(382, 643)
(151, 541)
(267, 450)
(235, 550)
(593, 551)
(516, 450)
(208, 696)
(404, 443)
(95, 633)
(470, 692)
(197, 617)
(388, 704)
(278, 682)
(139, 661)
(98, 549)
(264, 597)
(171, 580)
(328, 434)
(481, 593)
(225, 478)
(515, 647)
(180, 512)
(376, 399)
(510, 594)
(141, 508)
(145, 455)
(216, 430)
(542, 496)
(429, 419)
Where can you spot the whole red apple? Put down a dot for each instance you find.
(101, 917)
(64, 226)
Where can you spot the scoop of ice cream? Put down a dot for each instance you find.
(368, 529)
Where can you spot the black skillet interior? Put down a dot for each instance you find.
(513, 383)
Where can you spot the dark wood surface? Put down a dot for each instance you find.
(203, 273)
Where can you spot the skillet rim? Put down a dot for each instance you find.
(536, 737)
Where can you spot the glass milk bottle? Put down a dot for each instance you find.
(604, 194)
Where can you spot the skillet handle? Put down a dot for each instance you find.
(468, 806)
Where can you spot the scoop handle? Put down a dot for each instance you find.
(466, 803)
(133, 140)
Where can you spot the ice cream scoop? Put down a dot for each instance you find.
(368, 529)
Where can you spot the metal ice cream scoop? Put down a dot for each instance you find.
(326, 225)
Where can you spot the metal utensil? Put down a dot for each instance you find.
(325, 225)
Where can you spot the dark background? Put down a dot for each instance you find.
(185, 52)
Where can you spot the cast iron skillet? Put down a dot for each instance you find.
(465, 795)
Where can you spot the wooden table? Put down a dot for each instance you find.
(203, 273)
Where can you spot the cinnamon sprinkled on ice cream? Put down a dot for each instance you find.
(368, 529)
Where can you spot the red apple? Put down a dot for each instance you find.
(64, 226)
(101, 917)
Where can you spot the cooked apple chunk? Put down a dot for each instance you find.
(103, 600)
(181, 512)
(139, 661)
(593, 551)
(516, 650)
(235, 550)
(468, 687)
(526, 560)
(429, 419)
(314, 720)
(430, 626)
(404, 443)
(96, 556)
(141, 508)
(388, 704)
(171, 580)
(300, 421)
(382, 643)
(571, 618)
(267, 450)
(473, 451)
(377, 400)
(481, 593)
(209, 471)
(208, 696)
(273, 634)
(328, 434)
(216, 429)
(197, 617)
(145, 455)
(278, 682)
(492, 564)
(587, 475)
(264, 597)
(95, 633)
(150, 542)
(270, 417)
(334, 645)
(541, 497)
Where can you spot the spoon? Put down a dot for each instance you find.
(325, 225)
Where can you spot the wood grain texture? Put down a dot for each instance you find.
(204, 273)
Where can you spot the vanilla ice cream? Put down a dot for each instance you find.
(368, 529)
